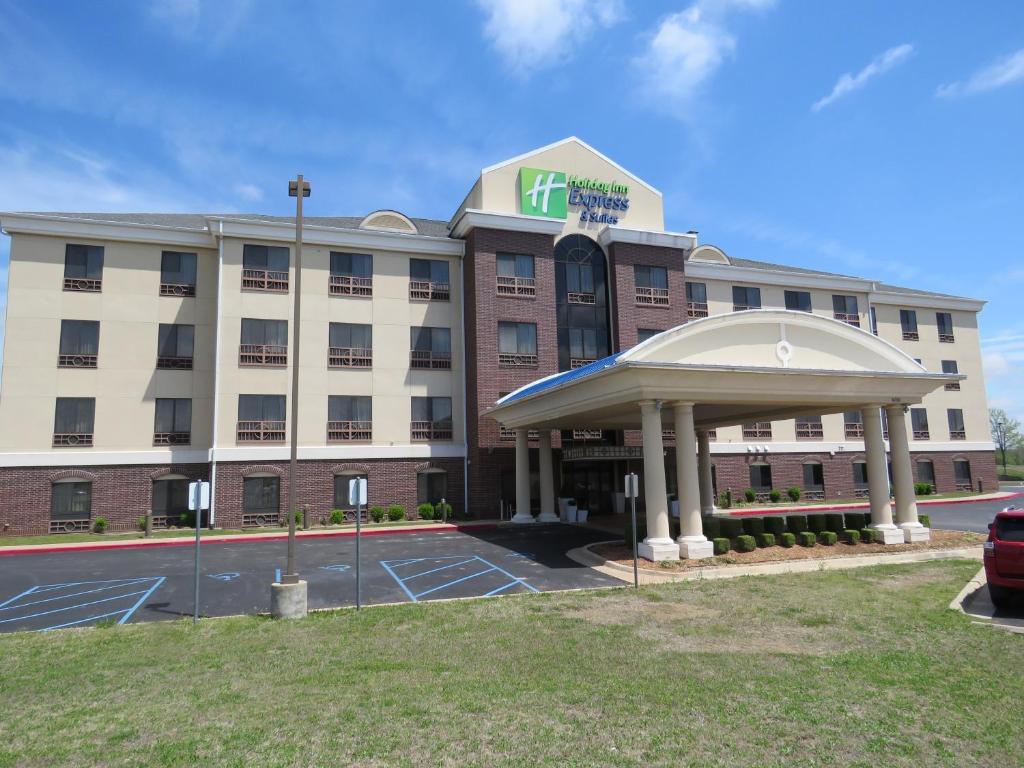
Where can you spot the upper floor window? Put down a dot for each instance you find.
(516, 275)
(428, 280)
(177, 273)
(944, 322)
(172, 424)
(696, 300)
(351, 274)
(809, 428)
(349, 417)
(265, 268)
(261, 418)
(83, 267)
(517, 345)
(643, 334)
(853, 424)
(579, 282)
(582, 346)
(431, 418)
(845, 308)
(950, 366)
(955, 417)
(79, 344)
(264, 343)
(799, 301)
(874, 321)
(351, 346)
(908, 322)
(175, 346)
(919, 423)
(430, 347)
(757, 430)
(73, 422)
(745, 298)
(651, 285)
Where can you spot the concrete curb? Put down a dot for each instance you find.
(586, 556)
(1000, 496)
(969, 589)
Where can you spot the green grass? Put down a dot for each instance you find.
(849, 668)
(1015, 471)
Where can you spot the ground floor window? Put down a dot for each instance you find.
(814, 478)
(926, 472)
(261, 500)
(170, 501)
(341, 490)
(431, 487)
(962, 474)
(70, 506)
(860, 478)
(760, 477)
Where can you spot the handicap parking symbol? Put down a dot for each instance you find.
(337, 567)
(225, 576)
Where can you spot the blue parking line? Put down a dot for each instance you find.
(387, 567)
(142, 599)
(28, 591)
(81, 621)
(501, 589)
(79, 605)
(456, 581)
(514, 578)
(441, 568)
(125, 583)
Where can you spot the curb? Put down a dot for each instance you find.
(969, 589)
(866, 505)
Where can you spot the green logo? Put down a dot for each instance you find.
(542, 193)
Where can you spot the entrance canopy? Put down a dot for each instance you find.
(755, 365)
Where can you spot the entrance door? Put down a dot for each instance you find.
(591, 485)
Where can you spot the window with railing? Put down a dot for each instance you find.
(583, 347)
(955, 418)
(925, 472)
(845, 308)
(429, 280)
(177, 273)
(264, 343)
(351, 274)
(175, 346)
(516, 275)
(944, 323)
(908, 324)
(170, 501)
(814, 481)
(73, 423)
(430, 348)
(579, 282)
(696, 300)
(651, 285)
(950, 366)
(919, 423)
(757, 430)
(761, 480)
(261, 501)
(860, 479)
(172, 423)
(83, 267)
(265, 268)
(79, 344)
(809, 428)
(745, 297)
(261, 419)
(962, 474)
(853, 425)
(70, 506)
(349, 418)
(351, 345)
(798, 301)
(517, 345)
(431, 419)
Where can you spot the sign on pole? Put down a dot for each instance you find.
(198, 500)
(632, 489)
(357, 491)
(632, 486)
(357, 496)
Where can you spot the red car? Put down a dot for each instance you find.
(1004, 556)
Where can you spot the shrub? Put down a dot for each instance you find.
(298, 517)
(796, 523)
(185, 519)
(99, 524)
(828, 538)
(925, 520)
(834, 522)
(721, 545)
(337, 516)
(775, 496)
(816, 522)
(746, 544)
(141, 522)
(851, 536)
(855, 520)
(774, 525)
(868, 535)
(750, 495)
(766, 540)
(377, 514)
(711, 527)
(730, 527)
(793, 493)
(807, 538)
(725, 499)
(443, 511)
(396, 512)
(787, 539)
(923, 489)
(752, 526)
(425, 511)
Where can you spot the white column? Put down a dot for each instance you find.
(547, 480)
(878, 477)
(903, 476)
(707, 486)
(693, 544)
(658, 545)
(523, 514)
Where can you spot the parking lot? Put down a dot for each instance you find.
(59, 590)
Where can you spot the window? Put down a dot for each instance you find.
(73, 421)
(431, 487)
(860, 478)
(651, 285)
(83, 267)
(173, 421)
(643, 334)
(908, 322)
(351, 346)
(926, 472)
(79, 344)
(853, 425)
(582, 346)
(874, 321)
(955, 418)
(264, 343)
(170, 501)
(515, 275)
(814, 480)
(696, 300)
(798, 300)
(845, 308)
(265, 268)
(517, 345)
(341, 490)
(261, 501)
(70, 506)
(760, 477)
(1010, 529)
(177, 274)
(261, 418)
(175, 346)
(349, 417)
(431, 348)
(919, 423)
(579, 282)
(944, 322)
(351, 274)
(962, 474)
(809, 428)
(759, 430)
(885, 424)
(950, 366)
(428, 280)
(431, 418)
(745, 298)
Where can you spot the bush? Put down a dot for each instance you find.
(796, 523)
(298, 517)
(753, 526)
(377, 514)
(337, 516)
(868, 535)
(711, 527)
(396, 512)
(923, 489)
(750, 495)
(793, 493)
(99, 524)
(855, 520)
(443, 511)
(746, 544)
(851, 536)
(766, 540)
(185, 519)
(816, 522)
(725, 499)
(774, 525)
(425, 511)
(828, 538)
(787, 539)
(141, 522)
(807, 538)
(721, 545)
(730, 527)
(775, 496)
(924, 520)
(834, 522)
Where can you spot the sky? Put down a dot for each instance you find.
(869, 138)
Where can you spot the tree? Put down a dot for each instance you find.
(1006, 432)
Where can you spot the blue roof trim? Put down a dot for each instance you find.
(562, 378)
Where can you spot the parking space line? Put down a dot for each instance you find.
(64, 597)
(441, 568)
(141, 600)
(456, 581)
(78, 605)
(81, 621)
(401, 583)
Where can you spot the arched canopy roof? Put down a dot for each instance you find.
(756, 365)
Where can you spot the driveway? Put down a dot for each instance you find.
(973, 516)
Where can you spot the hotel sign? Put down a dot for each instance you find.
(553, 193)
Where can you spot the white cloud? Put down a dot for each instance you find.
(847, 83)
(1005, 71)
(1002, 356)
(249, 192)
(532, 34)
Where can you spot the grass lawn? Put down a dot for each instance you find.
(1016, 471)
(853, 668)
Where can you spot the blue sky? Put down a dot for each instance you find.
(868, 138)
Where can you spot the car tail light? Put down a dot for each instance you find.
(990, 548)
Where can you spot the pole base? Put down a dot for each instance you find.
(657, 550)
(695, 548)
(547, 517)
(888, 534)
(523, 518)
(288, 601)
(915, 533)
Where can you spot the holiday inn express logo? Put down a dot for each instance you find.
(552, 193)
(543, 193)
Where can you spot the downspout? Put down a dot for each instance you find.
(216, 374)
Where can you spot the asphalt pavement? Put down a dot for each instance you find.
(973, 516)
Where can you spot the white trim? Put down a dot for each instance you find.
(895, 298)
(472, 218)
(345, 452)
(216, 372)
(42, 224)
(767, 448)
(88, 458)
(646, 237)
(734, 274)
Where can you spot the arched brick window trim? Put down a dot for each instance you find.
(72, 474)
(858, 457)
(812, 460)
(350, 469)
(156, 474)
(960, 457)
(428, 466)
(263, 469)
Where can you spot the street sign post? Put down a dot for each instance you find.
(198, 500)
(632, 487)
(357, 496)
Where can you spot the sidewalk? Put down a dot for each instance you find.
(921, 502)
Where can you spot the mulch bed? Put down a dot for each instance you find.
(622, 554)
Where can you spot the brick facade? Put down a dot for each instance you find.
(628, 317)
